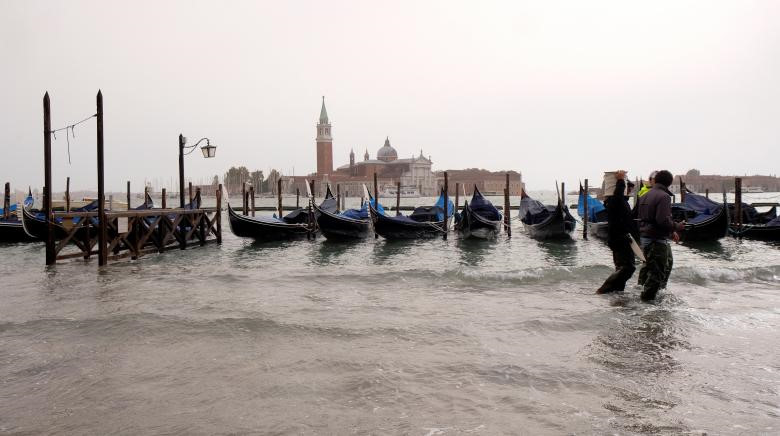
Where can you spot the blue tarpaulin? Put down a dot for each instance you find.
(594, 207)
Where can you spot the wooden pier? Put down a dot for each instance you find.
(114, 235)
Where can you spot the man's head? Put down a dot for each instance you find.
(629, 187)
(664, 178)
(651, 179)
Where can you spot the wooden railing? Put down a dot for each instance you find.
(134, 233)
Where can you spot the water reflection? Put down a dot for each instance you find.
(473, 251)
(708, 249)
(333, 252)
(640, 345)
(559, 252)
(385, 250)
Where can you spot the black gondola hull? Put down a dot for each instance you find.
(36, 228)
(759, 232)
(337, 227)
(246, 227)
(709, 230)
(599, 230)
(559, 225)
(389, 228)
(474, 226)
(13, 231)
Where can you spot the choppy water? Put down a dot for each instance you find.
(425, 338)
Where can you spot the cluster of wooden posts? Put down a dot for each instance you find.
(113, 235)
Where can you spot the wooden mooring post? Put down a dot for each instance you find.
(164, 200)
(190, 191)
(457, 196)
(338, 198)
(297, 198)
(737, 203)
(102, 229)
(67, 194)
(51, 255)
(243, 198)
(128, 195)
(279, 196)
(376, 200)
(707, 192)
(446, 205)
(398, 198)
(507, 210)
(682, 191)
(252, 197)
(585, 205)
(7, 201)
(219, 214)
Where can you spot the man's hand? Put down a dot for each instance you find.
(620, 175)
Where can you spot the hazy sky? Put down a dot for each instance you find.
(557, 90)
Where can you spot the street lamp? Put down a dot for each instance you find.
(208, 152)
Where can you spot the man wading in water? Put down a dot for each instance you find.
(655, 228)
(621, 224)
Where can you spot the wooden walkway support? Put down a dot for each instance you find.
(507, 210)
(585, 205)
(737, 203)
(113, 235)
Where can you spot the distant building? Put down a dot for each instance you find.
(324, 144)
(697, 182)
(488, 182)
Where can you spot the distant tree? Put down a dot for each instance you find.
(256, 178)
(235, 177)
(270, 182)
(215, 181)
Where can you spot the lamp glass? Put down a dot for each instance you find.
(209, 150)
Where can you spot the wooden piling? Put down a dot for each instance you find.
(338, 198)
(726, 205)
(737, 203)
(376, 200)
(252, 196)
(446, 204)
(7, 201)
(279, 195)
(102, 223)
(164, 201)
(51, 255)
(243, 198)
(297, 198)
(585, 205)
(219, 214)
(457, 195)
(190, 192)
(67, 194)
(181, 171)
(398, 198)
(507, 211)
(707, 192)
(682, 191)
(202, 222)
(128, 195)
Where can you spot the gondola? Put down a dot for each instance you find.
(295, 225)
(545, 222)
(598, 227)
(350, 224)
(34, 222)
(764, 226)
(12, 229)
(424, 222)
(479, 218)
(705, 220)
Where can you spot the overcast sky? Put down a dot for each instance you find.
(556, 90)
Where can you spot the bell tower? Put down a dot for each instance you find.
(324, 143)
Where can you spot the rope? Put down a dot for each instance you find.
(72, 128)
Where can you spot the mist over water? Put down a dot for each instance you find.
(419, 337)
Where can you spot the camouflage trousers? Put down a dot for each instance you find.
(654, 275)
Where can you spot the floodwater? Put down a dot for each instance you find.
(437, 337)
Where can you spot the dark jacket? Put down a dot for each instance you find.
(619, 216)
(655, 214)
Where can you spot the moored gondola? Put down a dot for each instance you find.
(298, 224)
(424, 222)
(705, 220)
(763, 226)
(12, 228)
(35, 226)
(479, 218)
(598, 227)
(545, 222)
(350, 224)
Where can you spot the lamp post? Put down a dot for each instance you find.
(208, 150)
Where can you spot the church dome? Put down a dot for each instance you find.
(387, 153)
